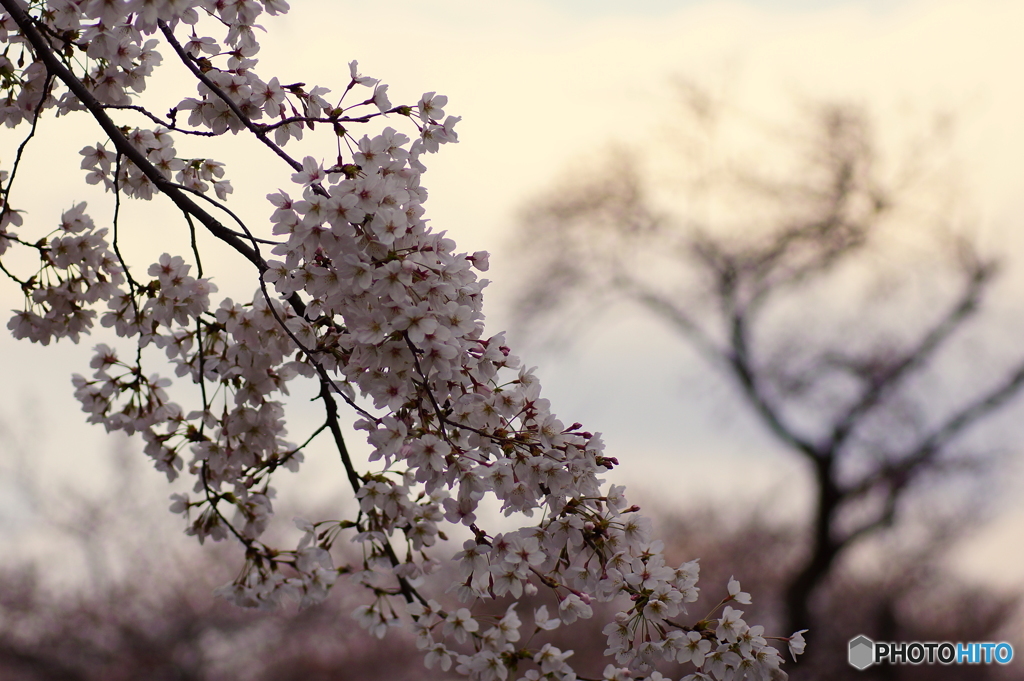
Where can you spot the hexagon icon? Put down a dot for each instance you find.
(862, 652)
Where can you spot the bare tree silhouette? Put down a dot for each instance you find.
(744, 283)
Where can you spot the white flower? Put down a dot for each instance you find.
(431, 106)
(551, 659)
(572, 607)
(721, 661)
(380, 98)
(694, 648)
(752, 641)
(796, 643)
(460, 624)
(541, 619)
(371, 618)
(730, 625)
(353, 67)
(311, 173)
(613, 673)
(485, 665)
(440, 655)
(508, 626)
(180, 504)
(735, 594)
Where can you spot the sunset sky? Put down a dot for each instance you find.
(542, 85)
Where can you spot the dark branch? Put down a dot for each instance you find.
(256, 130)
(742, 367)
(97, 109)
(880, 386)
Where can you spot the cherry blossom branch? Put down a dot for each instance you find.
(270, 127)
(246, 233)
(116, 242)
(170, 124)
(276, 463)
(455, 428)
(25, 285)
(333, 424)
(56, 68)
(190, 64)
(133, 286)
(21, 147)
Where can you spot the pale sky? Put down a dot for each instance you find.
(541, 85)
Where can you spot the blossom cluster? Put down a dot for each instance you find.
(77, 270)
(363, 299)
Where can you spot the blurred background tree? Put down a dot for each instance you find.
(792, 272)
